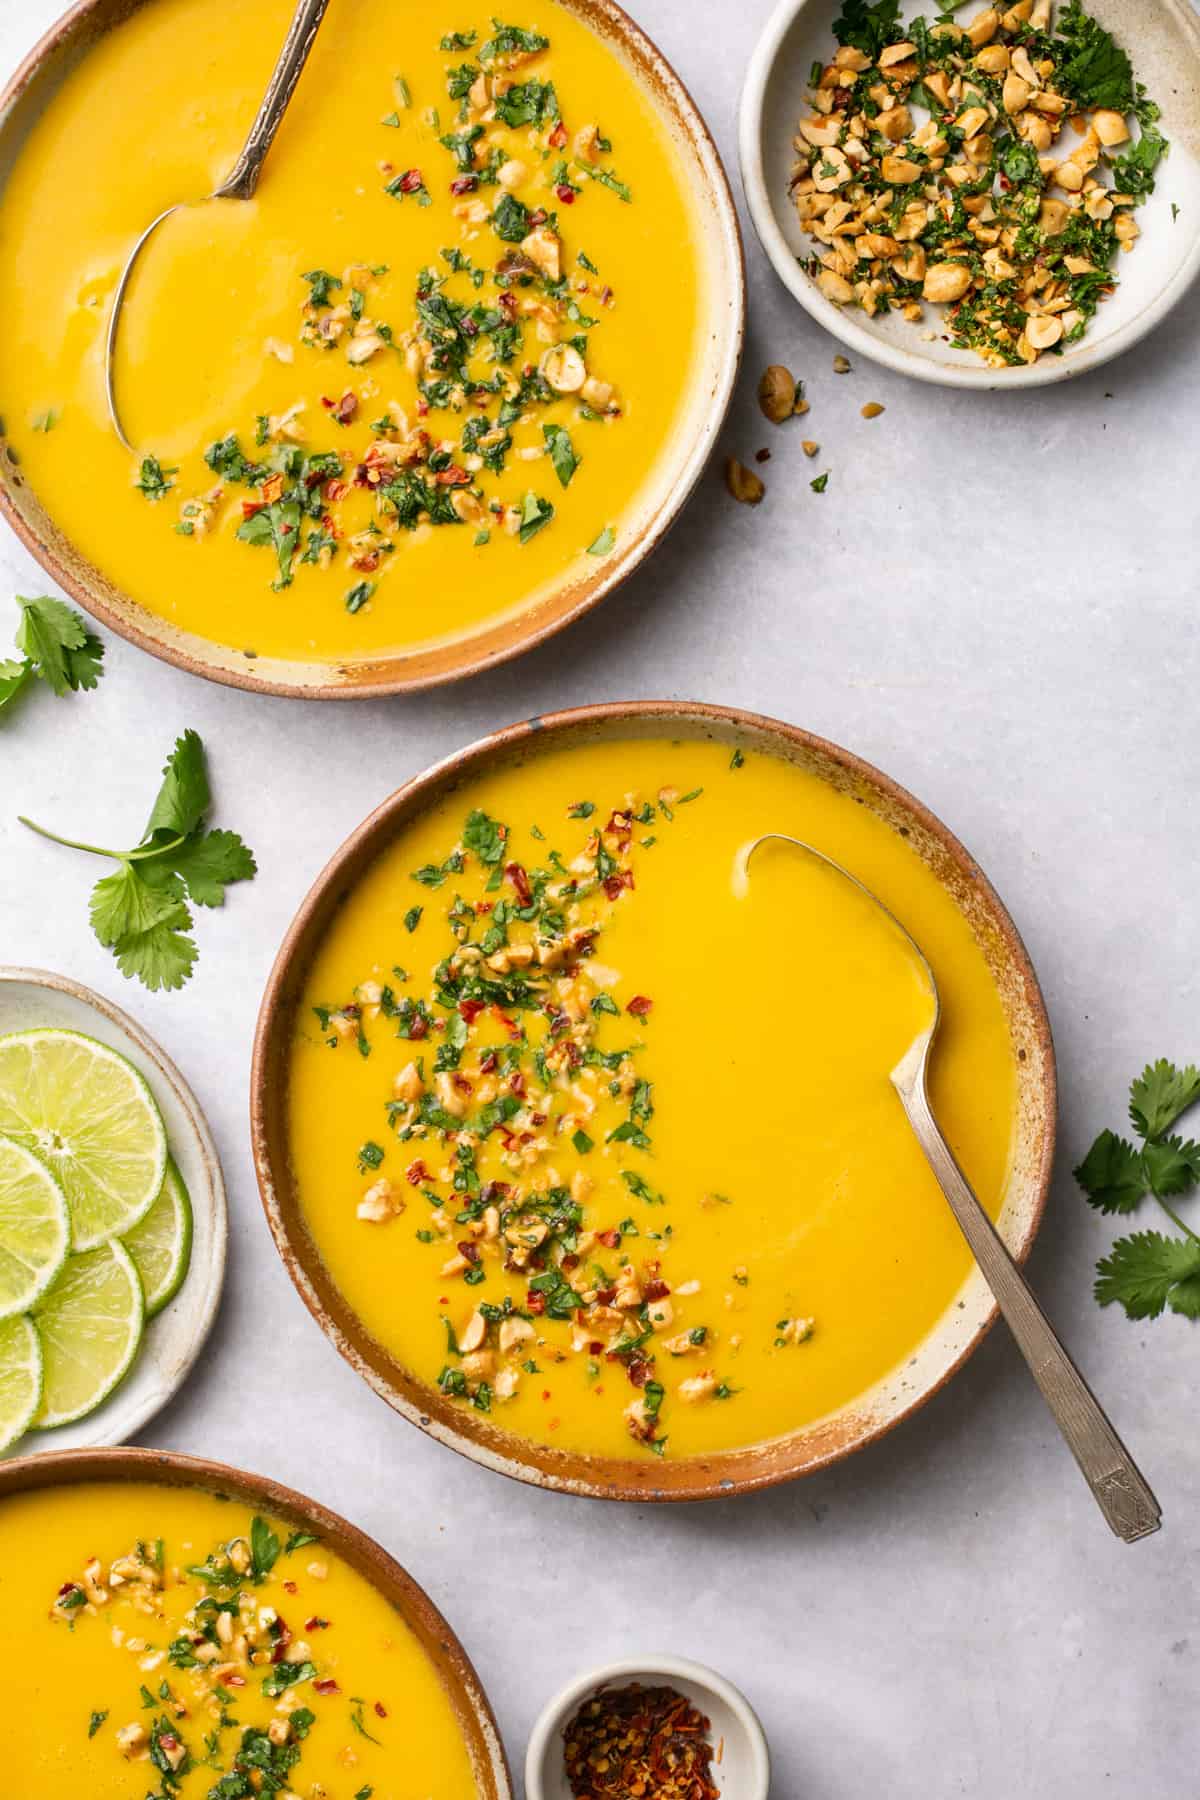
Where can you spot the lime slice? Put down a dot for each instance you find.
(20, 1378)
(35, 1229)
(161, 1245)
(90, 1117)
(90, 1324)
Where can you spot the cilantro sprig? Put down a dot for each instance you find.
(57, 647)
(140, 913)
(1149, 1271)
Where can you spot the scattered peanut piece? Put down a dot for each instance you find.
(742, 482)
(810, 446)
(841, 365)
(777, 391)
(872, 409)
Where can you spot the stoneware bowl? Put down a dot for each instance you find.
(739, 1471)
(173, 1340)
(719, 340)
(741, 1767)
(397, 1586)
(1163, 40)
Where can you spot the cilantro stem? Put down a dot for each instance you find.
(138, 855)
(1177, 1221)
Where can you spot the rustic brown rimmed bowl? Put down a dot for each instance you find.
(733, 1471)
(72, 1468)
(718, 351)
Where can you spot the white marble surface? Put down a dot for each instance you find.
(995, 600)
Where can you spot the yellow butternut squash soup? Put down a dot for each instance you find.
(172, 1643)
(421, 377)
(601, 1140)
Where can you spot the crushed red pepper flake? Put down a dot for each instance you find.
(639, 1743)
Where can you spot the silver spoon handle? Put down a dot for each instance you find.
(242, 179)
(1120, 1489)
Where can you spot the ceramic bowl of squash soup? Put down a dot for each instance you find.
(584, 1152)
(429, 395)
(187, 1628)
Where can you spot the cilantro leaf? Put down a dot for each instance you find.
(1160, 1094)
(868, 28)
(1142, 1273)
(208, 862)
(13, 677)
(1112, 1175)
(1171, 1166)
(1097, 71)
(184, 797)
(264, 1549)
(485, 837)
(125, 905)
(58, 645)
(562, 452)
(161, 957)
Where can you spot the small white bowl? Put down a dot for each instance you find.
(743, 1770)
(1163, 40)
(173, 1340)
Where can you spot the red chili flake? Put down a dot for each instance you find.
(520, 881)
(380, 1710)
(546, 1394)
(483, 906)
(638, 1371)
(595, 1348)
(335, 490)
(510, 1025)
(419, 1028)
(565, 193)
(250, 507)
(516, 1083)
(367, 564)
(761, 456)
(416, 1173)
(462, 1084)
(271, 488)
(326, 1685)
(289, 1587)
(316, 1624)
(464, 184)
(234, 1680)
(657, 1290)
(639, 1006)
(538, 216)
(649, 1741)
(410, 181)
(605, 1296)
(471, 1009)
(469, 1250)
(453, 476)
(570, 1261)
(535, 1301)
(488, 1062)
(606, 296)
(610, 1239)
(558, 136)
(615, 885)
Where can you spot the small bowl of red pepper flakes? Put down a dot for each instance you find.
(656, 1729)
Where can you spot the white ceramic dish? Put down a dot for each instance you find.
(1163, 39)
(743, 1771)
(31, 997)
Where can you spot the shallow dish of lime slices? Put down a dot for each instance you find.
(113, 1222)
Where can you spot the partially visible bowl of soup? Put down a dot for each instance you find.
(583, 1150)
(430, 394)
(174, 1615)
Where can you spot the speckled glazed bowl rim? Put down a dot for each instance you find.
(718, 357)
(907, 358)
(71, 1468)
(756, 1466)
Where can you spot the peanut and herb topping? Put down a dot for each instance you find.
(496, 335)
(231, 1649)
(523, 1125)
(990, 167)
